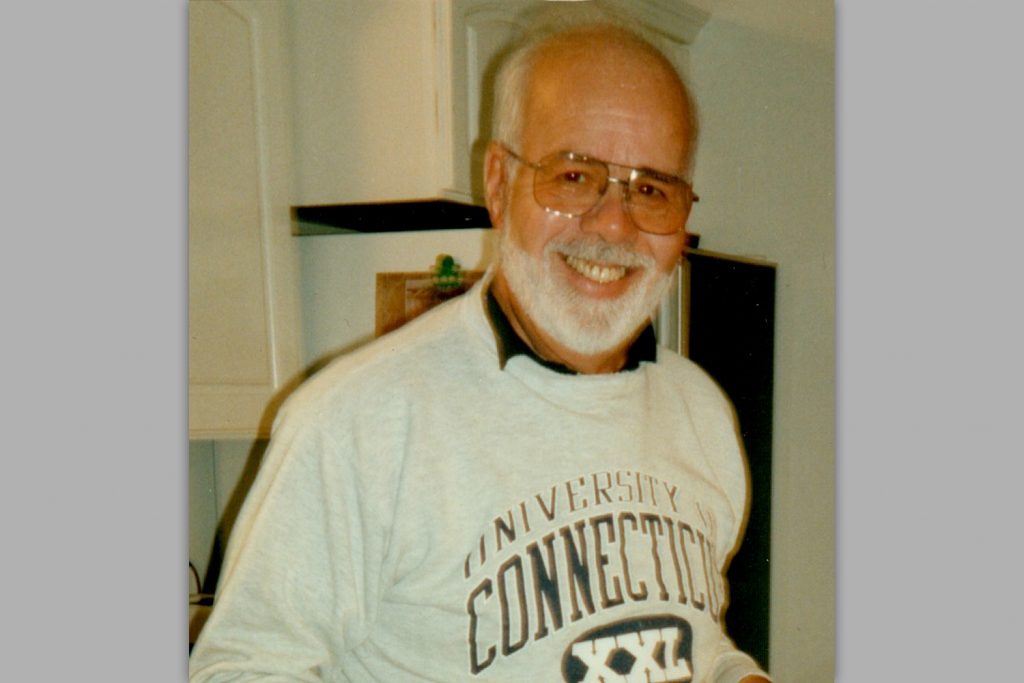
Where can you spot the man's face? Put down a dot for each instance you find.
(591, 282)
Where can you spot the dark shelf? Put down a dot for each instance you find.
(433, 214)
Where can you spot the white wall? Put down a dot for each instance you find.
(765, 174)
(339, 278)
(220, 474)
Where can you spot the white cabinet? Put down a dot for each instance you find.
(244, 328)
(363, 78)
(392, 97)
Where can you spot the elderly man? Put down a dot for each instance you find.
(519, 485)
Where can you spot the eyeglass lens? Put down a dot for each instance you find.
(572, 186)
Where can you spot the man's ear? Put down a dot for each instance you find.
(496, 182)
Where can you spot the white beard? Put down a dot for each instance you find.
(580, 323)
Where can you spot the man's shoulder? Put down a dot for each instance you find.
(434, 342)
(676, 365)
(690, 378)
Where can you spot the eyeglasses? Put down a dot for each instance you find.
(570, 184)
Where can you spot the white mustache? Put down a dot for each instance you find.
(597, 249)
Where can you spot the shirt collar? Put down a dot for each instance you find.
(510, 344)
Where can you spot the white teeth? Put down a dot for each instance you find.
(595, 272)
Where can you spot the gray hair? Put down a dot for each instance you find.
(543, 26)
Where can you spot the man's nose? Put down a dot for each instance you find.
(610, 216)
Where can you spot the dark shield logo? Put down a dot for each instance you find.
(641, 650)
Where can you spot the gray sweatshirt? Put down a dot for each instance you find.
(424, 515)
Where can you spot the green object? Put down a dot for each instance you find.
(447, 273)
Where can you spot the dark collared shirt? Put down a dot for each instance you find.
(511, 344)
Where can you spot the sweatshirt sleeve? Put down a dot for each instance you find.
(302, 568)
(715, 420)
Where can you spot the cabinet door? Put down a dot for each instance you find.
(243, 302)
(473, 34)
(362, 88)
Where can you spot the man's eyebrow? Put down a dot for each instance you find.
(660, 175)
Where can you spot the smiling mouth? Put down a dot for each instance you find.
(597, 272)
